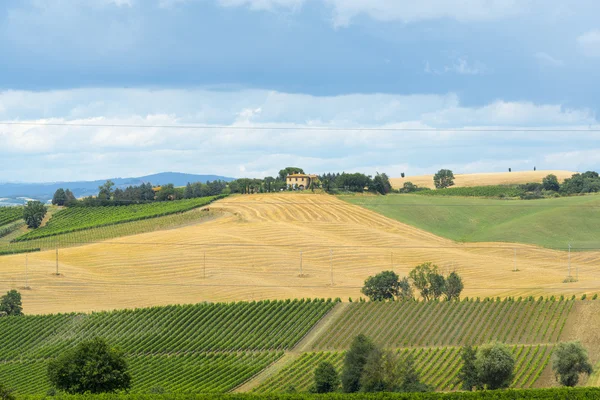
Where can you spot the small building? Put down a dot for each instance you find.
(300, 181)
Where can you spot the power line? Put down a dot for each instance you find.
(302, 128)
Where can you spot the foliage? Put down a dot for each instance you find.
(105, 191)
(444, 178)
(569, 361)
(9, 215)
(428, 281)
(500, 191)
(383, 286)
(495, 366)
(588, 182)
(81, 218)
(381, 184)
(355, 182)
(91, 367)
(355, 361)
(59, 197)
(11, 303)
(550, 182)
(289, 171)
(468, 372)
(34, 213)
(5, 393)
(454, 286)
(326, 378)
(410, 187)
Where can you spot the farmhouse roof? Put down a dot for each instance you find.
(301, 176)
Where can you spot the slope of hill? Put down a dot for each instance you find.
(492, 220)
(278, 246)
(484, 179)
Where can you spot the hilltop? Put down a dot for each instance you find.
(484, 179)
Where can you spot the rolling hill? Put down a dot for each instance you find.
(277, 246)
(484, 179)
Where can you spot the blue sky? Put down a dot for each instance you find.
(339, 63)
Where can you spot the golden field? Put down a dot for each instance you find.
(485, 179)
(253, 251)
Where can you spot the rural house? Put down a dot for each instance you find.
(300, 181)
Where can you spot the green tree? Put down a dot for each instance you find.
(405, 291)
(34, 213)
(495, 366)
(354, 363)
(6, 393)
(383, 286)
(327, 379)
(289, 171)
(410, 379)
(59, 198)
(468, 372)
(91, 367)
(443, 178)
(428, 281)
(166, 192)
(106, 190)
(550, 182)
(454, 286)
(11, 303)
(381, 184)
(437, 282)
(69, 197)
(380, 373)
(569, 361)
(188, 193)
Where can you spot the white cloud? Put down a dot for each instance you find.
(65, 153)
(547, 60)
(460, 65)
(589, 43)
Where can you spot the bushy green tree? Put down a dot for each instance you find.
(327, 379)
(428, 281)
(59, 198)
(383, 286)
(410, 379)
(69, 197)
(381, 184)
(289, 171)
(354, 363)
(569, 361)
(106, 190)
(468, 372)
(91, 367)
(11, 303)
(550, 182)
(495, 366)
(34, 213)
(443, 178)
(454, 286)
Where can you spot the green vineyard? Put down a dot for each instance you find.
(10, 214)
(255, 326)
(431, 324)
(76, 219)
(187, 373)
(438, 367)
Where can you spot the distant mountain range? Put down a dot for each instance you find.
(19, 193)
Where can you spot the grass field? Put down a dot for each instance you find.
(276, 247)
(497, 178)
(492, 220)
(437, 366)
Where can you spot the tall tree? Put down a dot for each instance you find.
(326, 378)
(468, 372)
(34, 213)
(59, 198)
(443, 178)
(91, 367)
(454, 286)
(383, 286)
(569, 361)
(381, 184)
(550, 182)
(105, 191)
(188, 193)
(69, 197)
(11, 303)
(354, 363)
(495, 365)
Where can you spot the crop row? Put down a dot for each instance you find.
(10, 214)
(438, 367)
(422, 324)
(263, 325)
(476, 191)
(197, 373)
(81, 218)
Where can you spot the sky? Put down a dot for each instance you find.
(444, 65)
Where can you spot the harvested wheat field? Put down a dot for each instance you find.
(494, 178)
(278, 246)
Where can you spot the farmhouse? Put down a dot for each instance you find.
(300, 181)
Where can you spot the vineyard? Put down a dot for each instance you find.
(10, 214)
(438, 367)
(76, 219)
(423, 324)
(476, 191)
(198, 373)
(255, 326)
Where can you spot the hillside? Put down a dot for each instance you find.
(484, 179)
(492, 220)
(276, 247)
